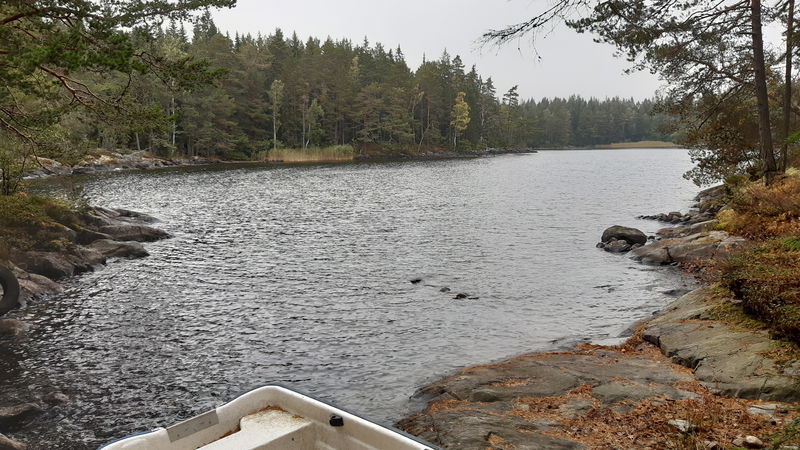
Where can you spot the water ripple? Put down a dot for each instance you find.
(300, 275)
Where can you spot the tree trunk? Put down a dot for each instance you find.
(764, 129)
(274, 126)
(174, 122)
(424, 131)
(303, 132)
(787, 94)
(483, 122)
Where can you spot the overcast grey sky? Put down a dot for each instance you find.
(570, 63)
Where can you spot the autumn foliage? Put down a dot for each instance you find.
(763, 212)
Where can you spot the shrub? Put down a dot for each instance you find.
(28, 222)
(761, 212)
(767, 281)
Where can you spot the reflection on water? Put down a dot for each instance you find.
(300, 275)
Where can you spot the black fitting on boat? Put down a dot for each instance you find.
(336, 421)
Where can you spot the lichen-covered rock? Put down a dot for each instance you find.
(688, 249)
(493, 393)
(728, 362)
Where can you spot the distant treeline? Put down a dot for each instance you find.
(279, 92)
(576, 122)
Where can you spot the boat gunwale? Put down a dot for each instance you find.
(416, 439)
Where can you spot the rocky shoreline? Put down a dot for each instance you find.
(105, 234)
(115, 161)
(685, 378)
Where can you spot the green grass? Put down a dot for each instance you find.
(325, 154)
(34, 222)
(792, 244)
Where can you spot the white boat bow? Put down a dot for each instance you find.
(274, 417)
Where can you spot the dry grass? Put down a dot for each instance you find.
(639, 144)
(298, 155)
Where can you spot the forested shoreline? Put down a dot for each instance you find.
(276, 91)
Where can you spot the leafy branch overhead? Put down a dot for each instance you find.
(54, 53)
(120, 76)
(703, 50)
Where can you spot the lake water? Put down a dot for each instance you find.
(300, 275)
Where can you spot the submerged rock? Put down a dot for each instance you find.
(117, 249)
(12, 327)
(138, 233)
(6, 443)
(15, 416)
(616, 246)
(55, 398)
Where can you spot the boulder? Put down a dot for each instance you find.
(627, 234)
(134, 215)
(55, 265)
(49, 264)
(687, 230)
(117, 249)
(35, 286)
(688, 249)
(6, 443)
(85, 259)
(138, 233)
(85, 236)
